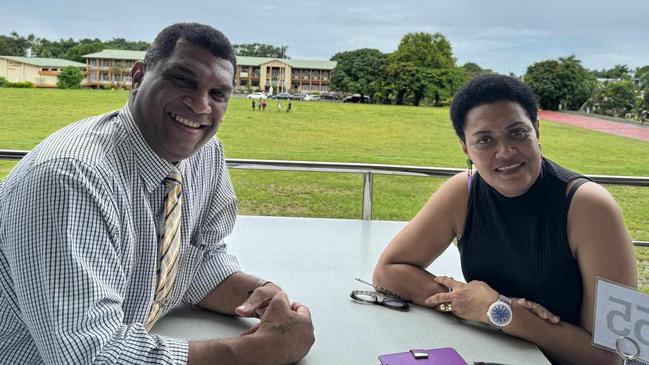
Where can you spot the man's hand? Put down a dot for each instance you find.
(258, 301)
(285, 331)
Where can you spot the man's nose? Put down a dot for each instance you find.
(199, 104)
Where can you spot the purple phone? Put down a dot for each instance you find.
(443, 356)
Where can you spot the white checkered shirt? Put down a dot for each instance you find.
(79, 249)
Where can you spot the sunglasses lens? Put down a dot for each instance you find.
(394, 303)
(363, 296)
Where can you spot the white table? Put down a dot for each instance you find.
(315, 261)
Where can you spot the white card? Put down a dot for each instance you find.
(621, 312)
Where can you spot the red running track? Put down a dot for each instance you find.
(601, 125)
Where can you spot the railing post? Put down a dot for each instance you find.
(367, 195)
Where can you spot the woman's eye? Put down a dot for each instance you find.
(519, 133)
(483, 140)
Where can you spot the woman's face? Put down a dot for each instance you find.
(503, 143)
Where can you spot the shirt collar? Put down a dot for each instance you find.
(151, 167)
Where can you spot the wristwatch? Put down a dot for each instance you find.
(500, 312)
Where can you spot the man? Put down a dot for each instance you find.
(114, 220)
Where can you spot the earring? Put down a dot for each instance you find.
(469, 167)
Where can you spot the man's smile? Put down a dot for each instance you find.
(186, 122)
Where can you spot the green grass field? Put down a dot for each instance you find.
(335, 132)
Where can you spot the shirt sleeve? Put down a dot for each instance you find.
(217, 263)
(62, 243)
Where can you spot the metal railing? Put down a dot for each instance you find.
(368, 171)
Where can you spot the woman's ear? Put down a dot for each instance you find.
(466, 150)
(537, 129)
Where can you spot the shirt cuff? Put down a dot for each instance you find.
(216, 267)
(178, 349)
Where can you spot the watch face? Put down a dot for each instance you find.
(500, 314)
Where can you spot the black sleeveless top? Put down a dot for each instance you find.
(519, 246)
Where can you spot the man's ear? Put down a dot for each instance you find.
(137, 74)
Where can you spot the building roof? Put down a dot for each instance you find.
(117, 54)
(312, 64)
(44, 62)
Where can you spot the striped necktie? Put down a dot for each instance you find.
(169, 245)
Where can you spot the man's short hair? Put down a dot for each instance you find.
(198, 34)
(487, 89)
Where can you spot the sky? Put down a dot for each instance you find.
(505, 36)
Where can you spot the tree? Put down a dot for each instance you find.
(560, 82)
(424, 50)
(640, 71)
(473, 70)
(69, 78)
(617, 72)
(358, 71)
(15, 45)
(615, 98)
(260, 50)
(409, 69)
(76, 52)
(445, 82)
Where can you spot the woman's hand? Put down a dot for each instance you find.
(468, 301)
(538, 309)
(471, 301)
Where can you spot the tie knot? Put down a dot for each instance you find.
(174, 177)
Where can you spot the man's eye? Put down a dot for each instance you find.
(181, 80)
(218, 95)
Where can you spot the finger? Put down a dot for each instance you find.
(437, 299)
(249, 307)
(251, 330)
(301, 309)
(279, 302)
(447, 282)
(541, 311)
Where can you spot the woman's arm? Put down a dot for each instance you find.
(401, 267)
(602, 248)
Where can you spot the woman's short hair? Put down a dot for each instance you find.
(198, 34)
(487, 89)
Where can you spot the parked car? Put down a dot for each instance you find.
(284, 96)
(356, 98)
(328, 96)
(312, 97)
(256, 95)
(300, 96)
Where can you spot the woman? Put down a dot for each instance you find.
(525, 227)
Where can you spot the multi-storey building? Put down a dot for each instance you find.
(42, 72)
(283, 74)
(112, 67)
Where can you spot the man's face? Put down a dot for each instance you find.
(178, 104)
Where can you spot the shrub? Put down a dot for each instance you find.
(3, 81)
(20, 84)
(69, 78)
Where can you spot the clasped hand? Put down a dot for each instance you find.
(471, 300)
(286, 329)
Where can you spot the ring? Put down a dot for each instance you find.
(445, 307)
